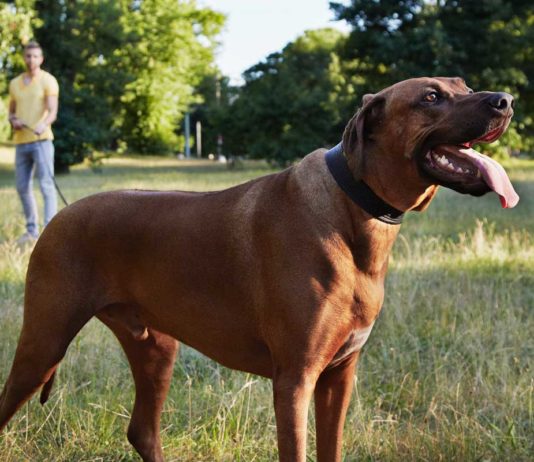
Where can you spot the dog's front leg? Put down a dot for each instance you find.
(292, 394)
(332, 398)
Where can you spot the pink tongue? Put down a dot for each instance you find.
(494, 175)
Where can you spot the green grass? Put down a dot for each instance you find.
(447, 373)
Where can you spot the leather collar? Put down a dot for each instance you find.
(359, 191)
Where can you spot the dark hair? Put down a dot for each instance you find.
(32, 45)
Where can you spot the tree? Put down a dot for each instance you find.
(164, 71)
(80, 40)
(15, 19)
(378, 45)
(488, 42)
(127, 69)
(288, 105)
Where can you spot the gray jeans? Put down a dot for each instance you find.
(36, 157)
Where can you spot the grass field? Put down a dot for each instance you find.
(447, 374)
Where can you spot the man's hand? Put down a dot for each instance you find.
(13, 120)
(40, 128)
(16, 123)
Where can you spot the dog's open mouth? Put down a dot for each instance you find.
(462, 164)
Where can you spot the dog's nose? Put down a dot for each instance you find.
(501, 101)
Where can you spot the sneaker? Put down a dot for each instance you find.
(26, 239)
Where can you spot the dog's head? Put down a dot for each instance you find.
(419, 133)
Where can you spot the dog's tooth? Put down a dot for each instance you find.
(479, 175)
(459, 170)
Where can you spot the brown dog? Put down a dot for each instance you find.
(282, 276)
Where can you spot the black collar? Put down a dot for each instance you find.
(359, 191)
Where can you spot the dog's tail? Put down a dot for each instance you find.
(47, 388)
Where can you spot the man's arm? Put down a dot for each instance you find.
(51, 103)
(15, 123)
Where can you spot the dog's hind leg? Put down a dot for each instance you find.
(47, 330)
(151, 357)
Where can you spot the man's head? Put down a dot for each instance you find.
(33, 56)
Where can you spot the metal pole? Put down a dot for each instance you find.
(219, 145)
(199, 138)
(219, 136)
(187, 136)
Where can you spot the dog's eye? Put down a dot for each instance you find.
(431, 97)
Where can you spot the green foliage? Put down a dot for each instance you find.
(300, 98)
(490, 43)
(165, 70)
(288, 105)
(129, 70)
(79, 40)
(15, 18)
(126, 70)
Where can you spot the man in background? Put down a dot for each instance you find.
(33, 108)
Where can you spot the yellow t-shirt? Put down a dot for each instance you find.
(30, 104)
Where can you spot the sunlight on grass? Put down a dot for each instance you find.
(446, 374)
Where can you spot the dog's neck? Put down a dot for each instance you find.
(359, 191)
(368, 241)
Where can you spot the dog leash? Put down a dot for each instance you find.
(359, 191)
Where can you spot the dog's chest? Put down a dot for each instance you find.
(355, 341)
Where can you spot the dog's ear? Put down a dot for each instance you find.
(367, 98)
(358, 130)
